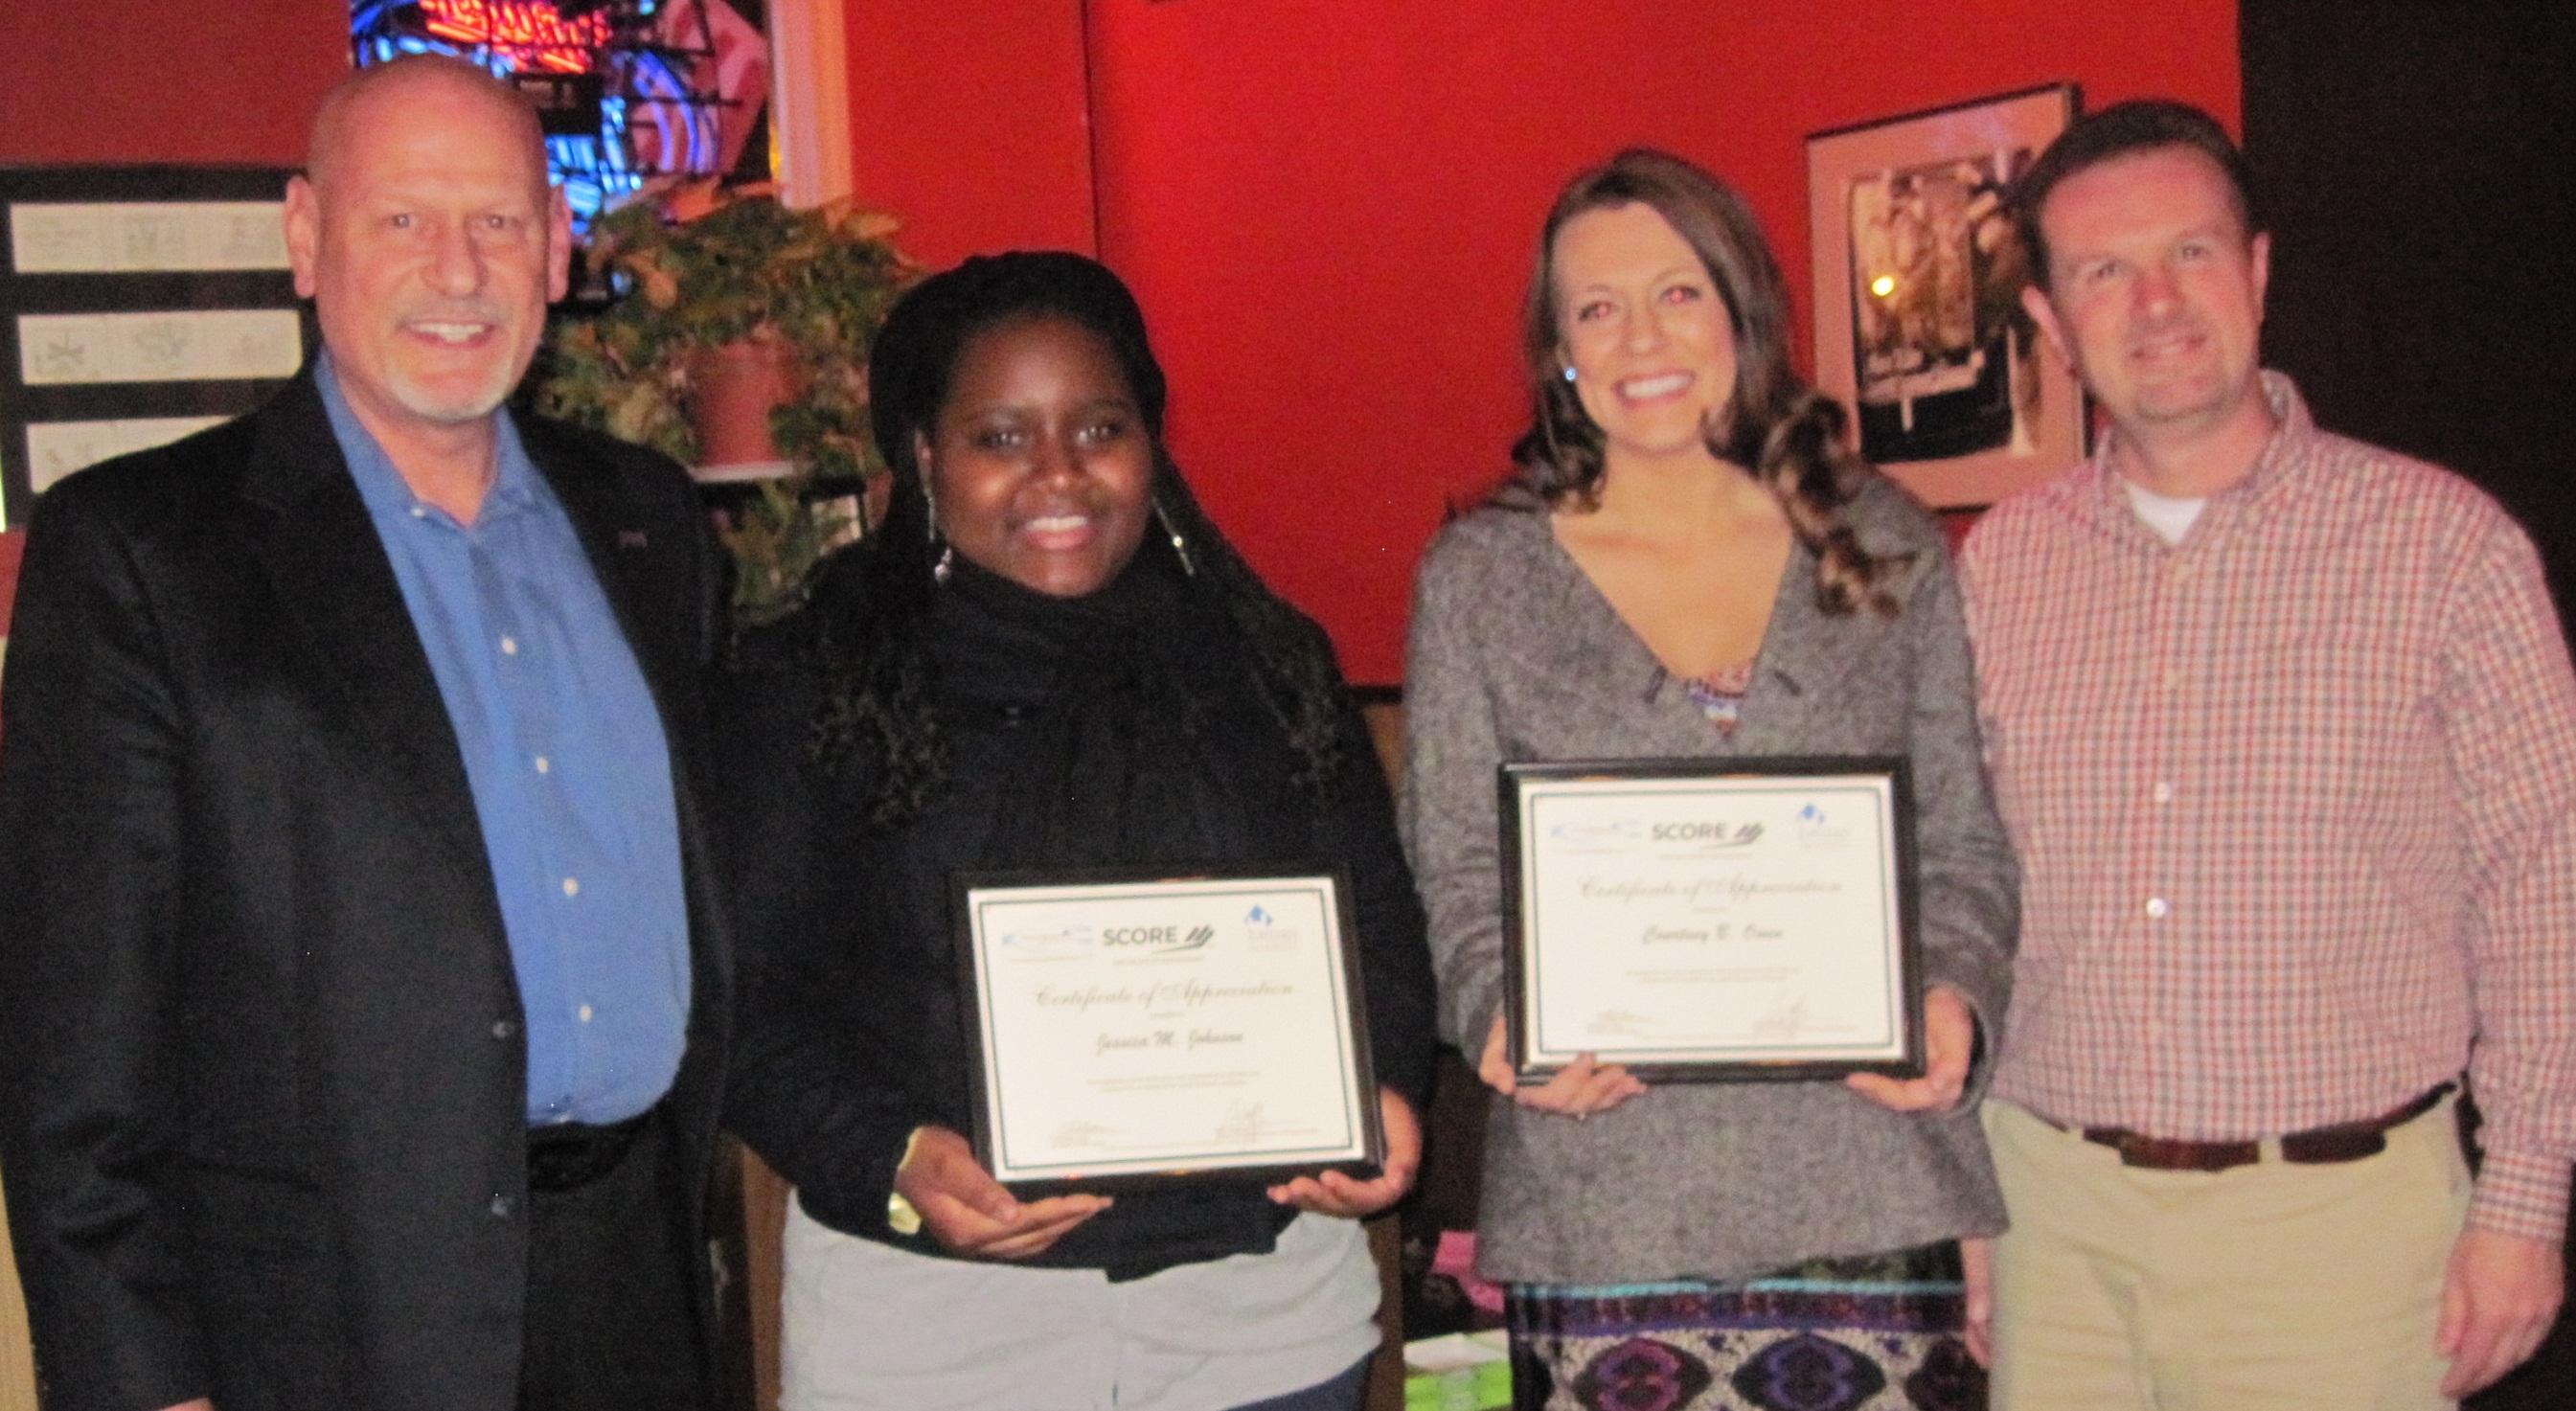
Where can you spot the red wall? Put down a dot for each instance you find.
(969, 120)
(1326, 205)
(12, 544)
(1327, 208)
(128, 82)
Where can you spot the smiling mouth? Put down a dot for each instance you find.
(1655, 388)
(2166, 347)
(453, 333)
(1057, 531)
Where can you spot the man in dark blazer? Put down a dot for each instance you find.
(361, 1006)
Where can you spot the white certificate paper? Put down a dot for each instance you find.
(1691, 923)
(1145, 1029)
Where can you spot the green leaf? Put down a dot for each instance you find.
(818, 280)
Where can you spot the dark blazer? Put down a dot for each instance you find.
(262, 1064)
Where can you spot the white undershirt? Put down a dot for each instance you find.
(870, 1325)
(2169, 517)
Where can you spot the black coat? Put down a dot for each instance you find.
(852, 1033)
(262, 1064)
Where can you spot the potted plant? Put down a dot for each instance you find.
(720, 285)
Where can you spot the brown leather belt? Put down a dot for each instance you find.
(2317, 1146)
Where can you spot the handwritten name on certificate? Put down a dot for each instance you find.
(1166, 1027)
(1690, 923)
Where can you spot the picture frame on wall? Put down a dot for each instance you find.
(1920, 332)
(139, 303)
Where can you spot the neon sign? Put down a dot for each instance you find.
(531, 30)
(639, 62)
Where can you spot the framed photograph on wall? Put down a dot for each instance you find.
(1920, 331)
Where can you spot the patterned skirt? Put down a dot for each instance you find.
(1879, 1333)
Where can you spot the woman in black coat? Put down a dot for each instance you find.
(1047, 658)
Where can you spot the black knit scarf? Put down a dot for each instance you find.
(1132, 732)
(1151, 741)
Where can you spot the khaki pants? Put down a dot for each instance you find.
(2270, 1285)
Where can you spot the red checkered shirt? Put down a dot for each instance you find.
(2296, 806)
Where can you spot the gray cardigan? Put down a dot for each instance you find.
(1514, 655)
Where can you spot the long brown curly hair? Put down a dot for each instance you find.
(1789, 435)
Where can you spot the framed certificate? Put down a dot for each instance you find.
(1128, 1028)
(1711, 919)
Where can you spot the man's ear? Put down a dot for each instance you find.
(303, 234)
(2042, 312)
(2259, 251)
(558, 246)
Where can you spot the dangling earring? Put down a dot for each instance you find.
(1180, 546)
(947, 560)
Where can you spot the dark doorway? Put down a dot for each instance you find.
(2417, 159)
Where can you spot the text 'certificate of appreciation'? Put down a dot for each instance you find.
(1140, 1029)
(1701, 919)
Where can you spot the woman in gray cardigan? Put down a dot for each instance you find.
(1688, 563)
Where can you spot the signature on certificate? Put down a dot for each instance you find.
(1085, 1136)
(1624, 1023)
(1242, 1124)
(1785, 1018)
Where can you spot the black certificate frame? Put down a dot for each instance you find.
(968, 891)
(1523, 949)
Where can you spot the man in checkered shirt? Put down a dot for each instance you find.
(2284, 729)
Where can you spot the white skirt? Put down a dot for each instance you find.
(868, 1325)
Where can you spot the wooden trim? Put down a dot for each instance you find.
(17, 1362)
(809, 100)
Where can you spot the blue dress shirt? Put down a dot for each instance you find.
(570, 772)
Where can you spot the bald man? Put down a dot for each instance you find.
(360, 1007)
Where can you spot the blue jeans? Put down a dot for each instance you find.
(1347, 1392)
